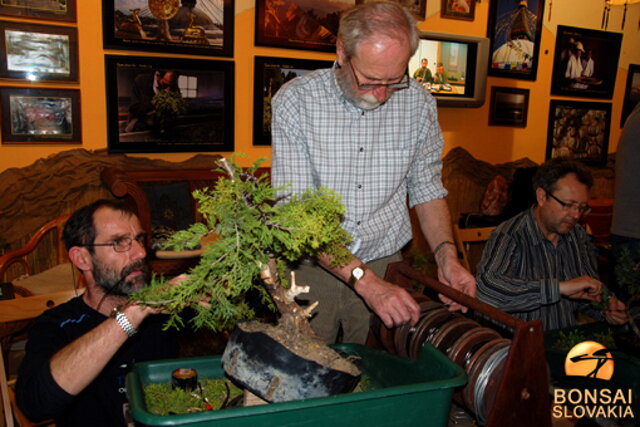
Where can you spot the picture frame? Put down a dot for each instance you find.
(514, 31)
(40, 116)
(579, 130)
(631, 92)
(166, 26)
(297, 24)
(418, 8)
(270, 74)
(458, 9)
(55, 10)
(35, 52)
(590, 74)
(169, 104)
(509, 106)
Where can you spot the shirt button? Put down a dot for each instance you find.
(359, 186)
(361, 149)
(358, 223)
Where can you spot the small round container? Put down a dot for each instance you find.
(184, 378)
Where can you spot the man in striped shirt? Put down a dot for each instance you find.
(539, 264)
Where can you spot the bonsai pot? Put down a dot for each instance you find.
(270, 370)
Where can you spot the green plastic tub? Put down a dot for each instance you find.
(405, 392)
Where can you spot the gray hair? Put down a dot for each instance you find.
(378, 17)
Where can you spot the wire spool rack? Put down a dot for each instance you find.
(507, 378)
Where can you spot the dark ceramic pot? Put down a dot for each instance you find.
(271, 371)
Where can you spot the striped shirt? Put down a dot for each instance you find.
(373, 158)
(520, 271)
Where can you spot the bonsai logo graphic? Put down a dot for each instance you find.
(589, 359)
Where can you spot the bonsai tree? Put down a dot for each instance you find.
(627, 272)
(169, 104)
(255, 238)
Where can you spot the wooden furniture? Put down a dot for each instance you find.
(520, 395)
(134, 187)
(464, 237)
(599, 220)
(20, 256)
(16, 312)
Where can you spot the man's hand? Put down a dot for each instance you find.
(583, 287)
(616, 312)
(452, 273)
(391, 303)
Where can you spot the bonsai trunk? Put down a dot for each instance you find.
(287, 361)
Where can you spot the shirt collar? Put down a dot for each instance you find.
(337, 89)
(534, 232)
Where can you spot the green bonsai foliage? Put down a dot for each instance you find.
(627, 272)
(169, 104)
(254, 231)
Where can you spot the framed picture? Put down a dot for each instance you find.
(417, 8)
(585, 62)
(40, 116)
(270, 75)
(514, 31)
(631, 92)
(579, 130)
(169, 104)
(299, 24)
(509, 106)
(458, 9)
(38, 52)
(204, 27)
(61, 10)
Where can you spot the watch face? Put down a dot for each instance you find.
(357, 272)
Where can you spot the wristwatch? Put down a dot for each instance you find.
(356, 274)
(123, 321)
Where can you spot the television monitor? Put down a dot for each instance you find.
(462, 62)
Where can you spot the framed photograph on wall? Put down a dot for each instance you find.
(169, 105)
(270, 74)
(585, 62)
(579, 130)
(514, 31)
(418, 8)
(60, 10)
(40, 116)
(38, 52)
(458, 9)
(631, 92)
(509, 106)
(299, 24)
(204, 27)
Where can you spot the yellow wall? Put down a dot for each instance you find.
(465, 127)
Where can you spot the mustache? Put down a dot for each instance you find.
(138, 265)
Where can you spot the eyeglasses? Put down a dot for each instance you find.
(402, 84)
(582, 209)
(123, 244)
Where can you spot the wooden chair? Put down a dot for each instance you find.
(17, 311)
(464, 237)
(19, 256)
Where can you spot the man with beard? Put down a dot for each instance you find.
(78, 353)
(539, 264)
(366, 130)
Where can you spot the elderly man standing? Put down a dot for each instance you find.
(540, 264)
(367, 131)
